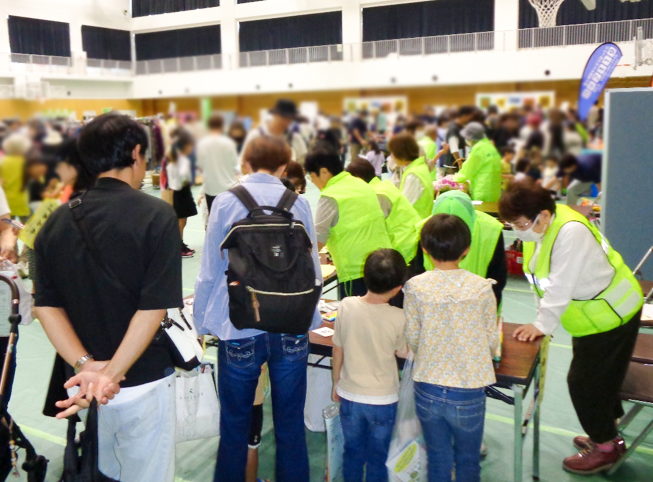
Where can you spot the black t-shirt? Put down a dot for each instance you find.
(453, 130)
(138, 239)
(357, 123)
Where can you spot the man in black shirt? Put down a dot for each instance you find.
(358, 134)
(455, 140)
(102, 315)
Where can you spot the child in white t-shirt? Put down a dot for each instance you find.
(368, 332)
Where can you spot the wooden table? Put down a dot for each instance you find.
(518, 371)
(643, 349)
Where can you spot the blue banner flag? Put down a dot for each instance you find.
(598, 70)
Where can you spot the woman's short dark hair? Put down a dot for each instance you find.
(525, 199)
(267, 153)
(361, 169)
(216, 122)
(323, 156)
(445, 237)
(385, 270)
(294, 170)
(404, 147)
(107, 142)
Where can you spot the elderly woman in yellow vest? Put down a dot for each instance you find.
(416, 182)
(487, 253)
(400, 215)
(482, 169)
(348, 220)
(12, 172)
(582, 283)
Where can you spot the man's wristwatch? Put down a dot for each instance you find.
(81, 361)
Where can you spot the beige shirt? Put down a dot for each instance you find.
(369, 336)
(452, 328)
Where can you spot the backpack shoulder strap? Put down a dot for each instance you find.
(287, 200)
(244, 197)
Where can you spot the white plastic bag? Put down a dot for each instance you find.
(10, 270)
(198, 410)
(318, 394)
(335, 443)
(407, 455)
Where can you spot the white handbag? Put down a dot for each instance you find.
(179, 326)
(198, 409)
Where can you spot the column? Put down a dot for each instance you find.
(229, 35)
(506, 24)
(352, 30)
(5, 49)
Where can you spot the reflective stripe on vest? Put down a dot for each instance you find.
(617, 304)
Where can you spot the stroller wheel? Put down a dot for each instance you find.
(36, 468)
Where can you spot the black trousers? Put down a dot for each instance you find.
(352, 288)
(596, 375)
(209, 201)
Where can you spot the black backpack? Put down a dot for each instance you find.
(271, 275)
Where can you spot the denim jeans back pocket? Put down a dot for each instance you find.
(425, 408)
(470, 417)
(384, 415)
(240, 354)
(295, 347)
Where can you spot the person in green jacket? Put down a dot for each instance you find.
(416, 182)
(349, 220)
(487, 253)
(400, 215)
(583, 284)
(482, 169)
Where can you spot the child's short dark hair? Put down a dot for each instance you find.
(523, 165)
(445, 237)
(385, 269)
(506, 150)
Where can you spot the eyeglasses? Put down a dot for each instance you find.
(524, 226)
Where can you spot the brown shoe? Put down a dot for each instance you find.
(592, 461)
(585, 443)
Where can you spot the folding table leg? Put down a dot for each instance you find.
(536, 426)
(640, 438)
(519, 439)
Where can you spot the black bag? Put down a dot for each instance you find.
(271, 275)
(84, 467)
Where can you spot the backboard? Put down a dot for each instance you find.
(589, 4)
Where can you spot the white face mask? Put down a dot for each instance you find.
(419, 135)
(528, 235)
(469, 143)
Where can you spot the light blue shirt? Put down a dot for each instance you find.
(211, 307)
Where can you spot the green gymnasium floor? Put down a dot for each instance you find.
(195, 460)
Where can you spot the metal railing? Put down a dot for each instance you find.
(118, 67)
(591, 33)
(179, 64)
(40, 63)
(299, 55)
(443, 44)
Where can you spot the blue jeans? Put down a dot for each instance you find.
(368, 431)
(452, 420)
(239, 368)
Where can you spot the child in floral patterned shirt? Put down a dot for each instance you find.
(452, 328)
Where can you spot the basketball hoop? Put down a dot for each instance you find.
(547, 11)
(643, 50)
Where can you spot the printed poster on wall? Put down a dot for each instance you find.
(516, 100)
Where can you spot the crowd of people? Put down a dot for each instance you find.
(419, 270)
